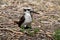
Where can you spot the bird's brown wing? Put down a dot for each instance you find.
(22, 19)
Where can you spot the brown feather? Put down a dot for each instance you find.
(20, 22)
(22, 19)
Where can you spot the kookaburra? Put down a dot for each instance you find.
(26, 19)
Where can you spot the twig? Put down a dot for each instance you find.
(7, 29)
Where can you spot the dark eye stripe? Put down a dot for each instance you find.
(24, 9)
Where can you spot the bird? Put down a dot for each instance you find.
(26, 19)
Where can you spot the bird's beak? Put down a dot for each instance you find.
(34, 12)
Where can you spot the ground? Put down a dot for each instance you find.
(47, 21)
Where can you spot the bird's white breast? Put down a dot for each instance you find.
(28, 18)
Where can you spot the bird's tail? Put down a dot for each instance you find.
(16, 22)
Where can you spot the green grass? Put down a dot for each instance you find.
(33, 32)
(30, 32)
(36, 30)
(57, 34)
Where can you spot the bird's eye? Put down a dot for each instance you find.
(24, 9)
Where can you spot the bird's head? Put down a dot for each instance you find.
(29, 9)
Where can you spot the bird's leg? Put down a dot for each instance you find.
(25, 25)
(28, 26)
